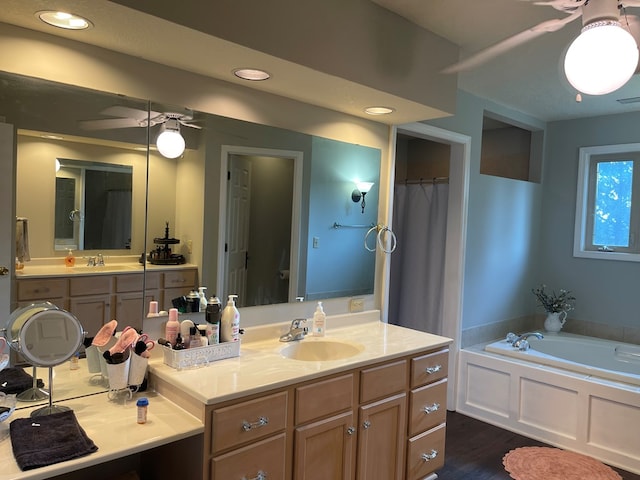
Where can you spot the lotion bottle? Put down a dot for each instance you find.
(203, 298)
(230, 322)
(70, 259)
(172, 327)
(319, 321)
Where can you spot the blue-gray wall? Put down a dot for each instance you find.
(607, 291)
(503, 229)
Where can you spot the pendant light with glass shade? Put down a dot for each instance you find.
(605, 55)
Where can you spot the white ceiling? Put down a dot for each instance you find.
(528, 79)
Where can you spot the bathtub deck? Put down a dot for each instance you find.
(474, 450)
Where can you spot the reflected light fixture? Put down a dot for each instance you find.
(362, 188)
(602, 58)
(378, 110)
(170, 142)
(65, 20)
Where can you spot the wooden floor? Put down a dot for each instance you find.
(474, 450)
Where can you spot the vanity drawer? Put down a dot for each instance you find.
(427, 407)
(90, 285)
(132, 282)
(382, 381)
(429, 368)
(248, 421)
(41, 289)
(425, 453)
(180, 278)
(324, 398)
(267, 456)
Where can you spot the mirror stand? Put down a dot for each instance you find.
(51, 408)
(35, 393)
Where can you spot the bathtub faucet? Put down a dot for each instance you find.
(520, 341)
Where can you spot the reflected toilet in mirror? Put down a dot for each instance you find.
(45, 336)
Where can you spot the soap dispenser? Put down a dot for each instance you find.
(70, 259)
(203, 298)
(319, 321)
(230, 322)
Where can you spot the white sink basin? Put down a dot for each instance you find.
(104, 269)
(320, 350)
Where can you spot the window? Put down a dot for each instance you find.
(607, 211)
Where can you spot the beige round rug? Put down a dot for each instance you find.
(544, 463)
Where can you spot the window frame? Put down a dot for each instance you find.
(588, 157)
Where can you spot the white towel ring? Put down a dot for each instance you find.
(379, 239)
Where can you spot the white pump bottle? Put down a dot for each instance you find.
(319, 321)
(230, 322)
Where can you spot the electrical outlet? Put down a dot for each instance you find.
(356, 305)
(316, 242)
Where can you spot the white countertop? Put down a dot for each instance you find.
(261, 366)
(113, 427)
(37, 269)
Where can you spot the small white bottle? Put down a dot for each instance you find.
(230, 322)
(203, 298)
(319, 321)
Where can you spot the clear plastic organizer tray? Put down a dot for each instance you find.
(200, 356)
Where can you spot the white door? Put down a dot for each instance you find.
(238, 214)
(7, 217)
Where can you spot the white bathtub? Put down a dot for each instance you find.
(588, 402)
(591, 356)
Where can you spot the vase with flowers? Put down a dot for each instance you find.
(556, 305)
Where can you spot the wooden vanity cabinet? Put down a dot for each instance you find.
(379, 422)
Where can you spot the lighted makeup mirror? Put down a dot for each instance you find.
(45, 336)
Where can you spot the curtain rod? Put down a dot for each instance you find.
(426, 180)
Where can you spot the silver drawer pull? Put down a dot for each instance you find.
(262, 421)
(432, 370)
(430, 409)
(427, 457)
(261, 476)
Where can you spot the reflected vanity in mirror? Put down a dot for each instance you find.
(92, 205)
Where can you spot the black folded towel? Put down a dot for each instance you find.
(49, 439)
(16, 380)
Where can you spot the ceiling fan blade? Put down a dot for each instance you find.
(109, 123)
(125, 112)
(510, 43)
(187, 124)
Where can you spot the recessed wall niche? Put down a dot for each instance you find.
(418, 158)
(510, 150)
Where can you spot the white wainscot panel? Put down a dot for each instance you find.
(488, 389)
(549, 407)
(612, 425)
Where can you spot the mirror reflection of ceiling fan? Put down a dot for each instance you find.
(600, 60)
(170, 142)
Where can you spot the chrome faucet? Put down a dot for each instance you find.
(91, 262)
(100, 260)
(520, 341)
(296, 331)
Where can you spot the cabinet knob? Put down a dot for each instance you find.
(260, 476)
(433, 369)
(261, 422)
(427, 457)
(351, 431)
(430, 409)
(366, 424)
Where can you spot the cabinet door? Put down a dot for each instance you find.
(129, 310)
(91, 311)
(325, 449)
(264, 460)
(381, 439)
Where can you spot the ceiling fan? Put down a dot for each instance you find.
(126, 117)
(594, 13)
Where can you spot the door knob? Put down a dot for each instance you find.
(4, 271)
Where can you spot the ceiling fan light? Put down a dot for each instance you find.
(601, 59)
(170, 142)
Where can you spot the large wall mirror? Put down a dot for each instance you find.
(68, 129)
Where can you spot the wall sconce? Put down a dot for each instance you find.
(170, 142)
(362, 188)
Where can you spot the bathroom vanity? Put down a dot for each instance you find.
(96, 295)
(379, 413)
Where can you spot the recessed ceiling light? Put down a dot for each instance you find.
(65, 20)
(379, 110)
(253, 74)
